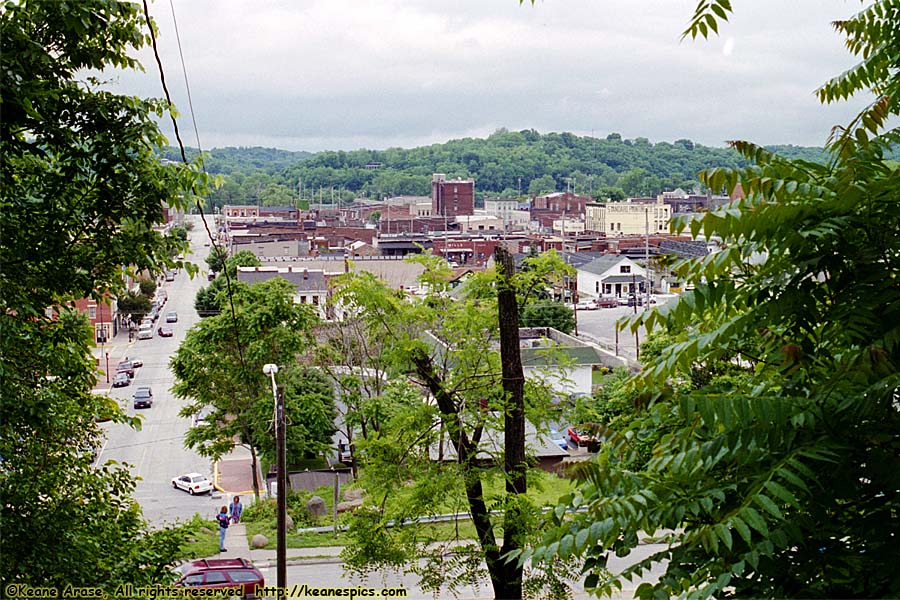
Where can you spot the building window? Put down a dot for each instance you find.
(302, 299)
(92, 312)
(315, 300)
(597, 287)
(625, 269)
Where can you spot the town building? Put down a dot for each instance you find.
(611, 275)
(631, 217)
(452, 197)
(310, 287)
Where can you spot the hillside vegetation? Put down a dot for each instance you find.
(506, 163)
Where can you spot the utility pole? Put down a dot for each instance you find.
(647, 255)
(634, 296)
(282, 488)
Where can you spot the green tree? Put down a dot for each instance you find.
(179, 232)
(609, 193)
(633, 182)
(218, 368)
(81, 190)
(208, 300)
(549, 313)
(542, 185)
(148, 287)
(135, 305)
(430, 458)
(216, 259)
(309, 411)
(783, 483)
(242, 258)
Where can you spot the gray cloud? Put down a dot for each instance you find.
(336, 74)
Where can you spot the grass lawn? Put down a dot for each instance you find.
(543, 488)
(202, 538)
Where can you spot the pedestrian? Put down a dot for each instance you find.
(222, 518)
(236, 509)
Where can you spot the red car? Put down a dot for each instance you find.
(165, 332)
(607, 302)
(581, 436)
(222, 573)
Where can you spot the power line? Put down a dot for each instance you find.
(215, 245)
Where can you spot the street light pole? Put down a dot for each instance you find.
(278, 395)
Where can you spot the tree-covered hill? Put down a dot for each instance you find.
(242, 159)
(506, 163)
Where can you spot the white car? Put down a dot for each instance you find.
(192, 483)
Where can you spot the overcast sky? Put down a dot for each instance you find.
(340, 74)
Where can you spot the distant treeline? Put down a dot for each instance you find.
(506, 164)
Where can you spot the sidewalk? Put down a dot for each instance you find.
(233, 475)
(115, 349)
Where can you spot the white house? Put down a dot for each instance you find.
(611, 275)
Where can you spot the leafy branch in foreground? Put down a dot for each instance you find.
(783, 483)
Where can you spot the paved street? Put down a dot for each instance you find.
(599, 326)
(156, 453)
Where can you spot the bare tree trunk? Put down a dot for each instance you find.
(514, 425)
(466, 450)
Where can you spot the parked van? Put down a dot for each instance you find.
(145, 333)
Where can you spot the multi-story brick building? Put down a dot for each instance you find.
(450, 198)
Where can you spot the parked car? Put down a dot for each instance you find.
(121, 380)
(559, 439)
(165, 332)
(224, 573)
(135, 361)
(587, 305)
(170, 276)
(127, 367)
(143, 397)
(192, 483)
(171, 317)
(210, 276)
(201, 417)
(607, 302)
(145, 333)
(632, 300)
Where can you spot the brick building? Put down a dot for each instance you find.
(450, 198)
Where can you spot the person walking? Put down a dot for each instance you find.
(222, 519)
(235, 510)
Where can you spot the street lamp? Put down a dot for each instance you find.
(281, 481)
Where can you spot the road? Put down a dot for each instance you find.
(600, 326)
(156, 453)
(328, 573)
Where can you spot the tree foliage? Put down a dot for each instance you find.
(81, 190)
(208, 300)
(135, 305)
(549, 313)
(506, 163)
(218, 368)
(428, 458)
(782, 479)
(309, 411)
